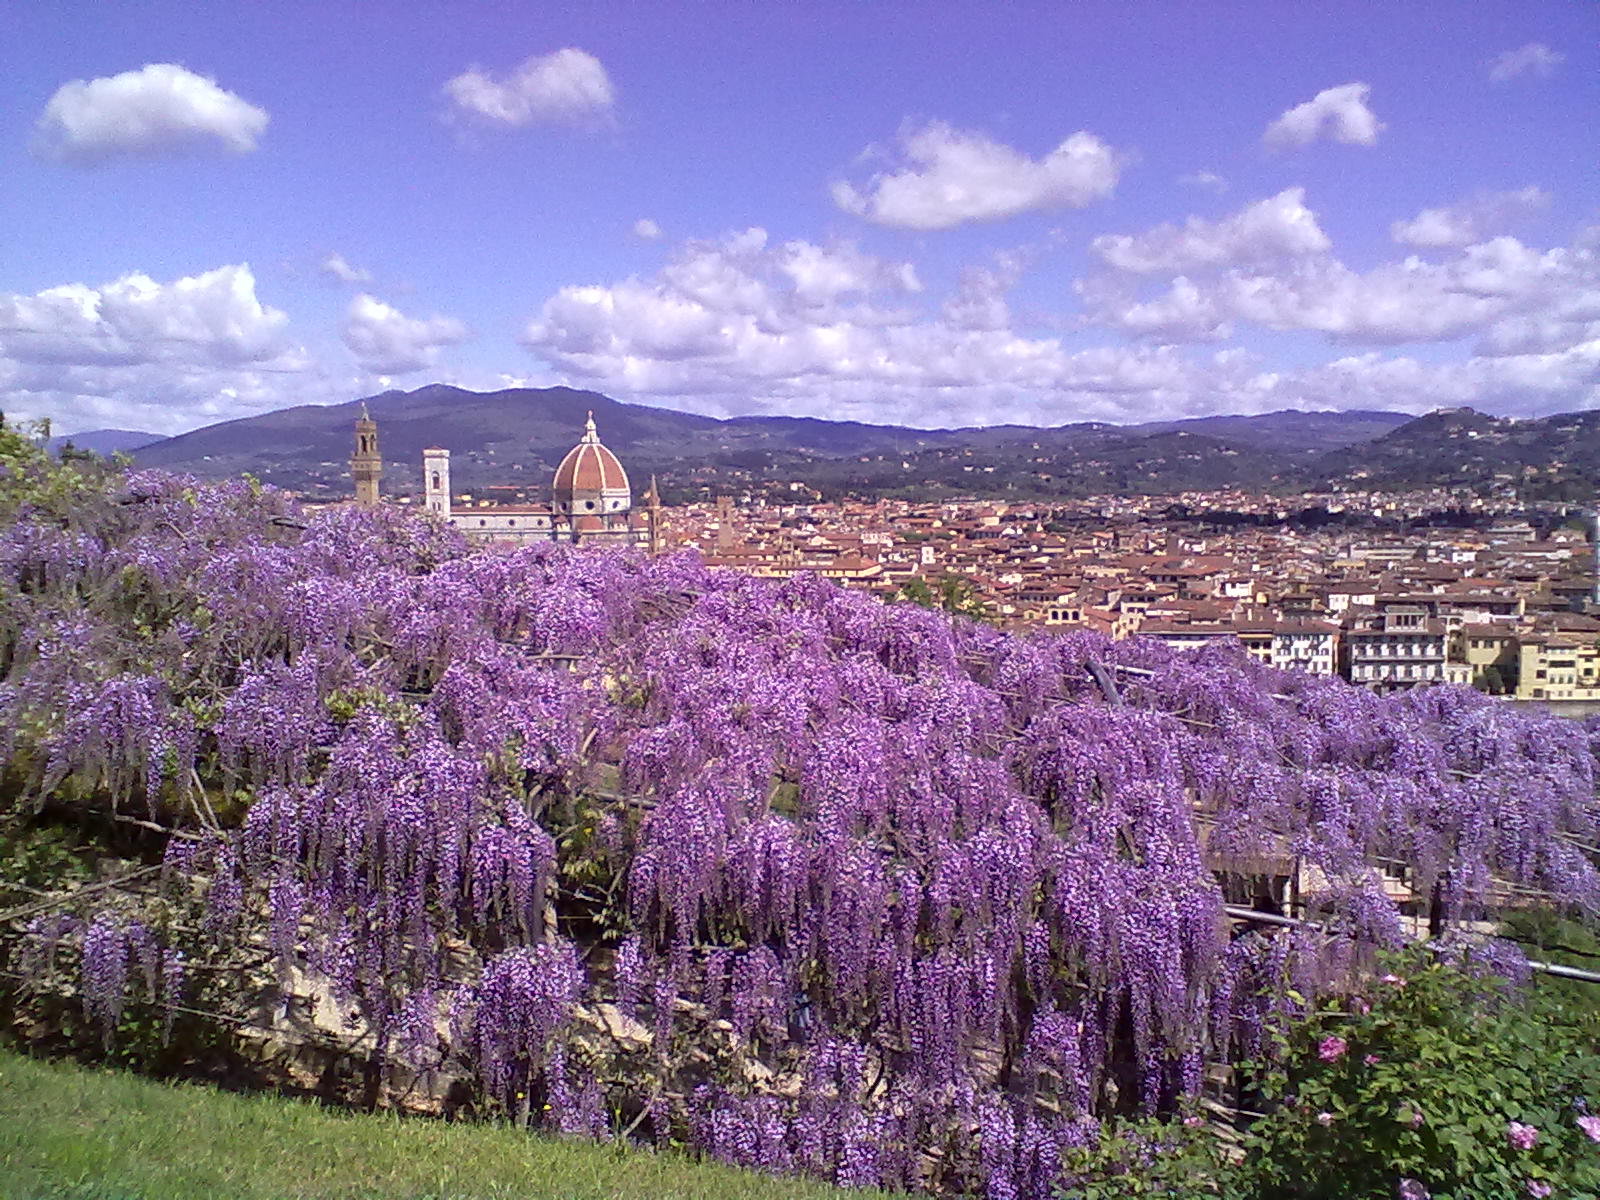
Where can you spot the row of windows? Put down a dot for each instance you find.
(1406, 649)
(1396, 671)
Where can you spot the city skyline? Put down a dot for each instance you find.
(936, 216)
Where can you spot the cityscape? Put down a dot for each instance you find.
(829, 601)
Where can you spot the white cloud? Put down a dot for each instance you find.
(743, 340)
(951, 177)
(213, 318)
(1523, 385)
(739, 325)
(335, 266)
(1535, 59)
(160, 108)
(1209, 180)
(647, 229)
(1473, 220)
(1279, 227)
(569, 86)
(1337, 114)
(1271, 265)
(140, 354)
(385, 340)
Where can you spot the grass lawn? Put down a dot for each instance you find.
(70, 1133)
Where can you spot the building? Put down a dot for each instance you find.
(1559, 666)
(591, 500)
(1401, 647)
(1305, 645)
(366, 467)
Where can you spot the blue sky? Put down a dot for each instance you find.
(931, 214)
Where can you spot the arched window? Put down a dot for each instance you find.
(436, 481)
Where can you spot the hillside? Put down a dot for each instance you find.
(1554, 458)
(518, 435)
(104, 441)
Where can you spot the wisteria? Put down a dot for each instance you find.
(818, 883)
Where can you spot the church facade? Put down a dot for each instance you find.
(591, 500)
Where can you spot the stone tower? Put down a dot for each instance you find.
(652, 513)
(436, 480)
(366, 467)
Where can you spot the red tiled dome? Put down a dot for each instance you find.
(589, 524)
(589, 467)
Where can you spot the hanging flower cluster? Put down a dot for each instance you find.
(959, 888)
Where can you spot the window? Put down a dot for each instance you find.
(436, 481)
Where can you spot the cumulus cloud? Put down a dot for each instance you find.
(213, 318)
(1473, 220)
(141, 354)
(1271, 265)
(386, 341)
(740, 324)
(1338, 114)
(1278, 227)
(725, 329)
(567, 87)
(1534, 59)
(949, 177)
(647, 229)
(159, 109)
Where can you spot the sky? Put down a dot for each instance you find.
(933, 214)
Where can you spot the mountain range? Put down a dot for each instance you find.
(516, 437)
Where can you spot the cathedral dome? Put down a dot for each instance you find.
(590, 479)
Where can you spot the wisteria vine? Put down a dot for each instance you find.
(820, 884)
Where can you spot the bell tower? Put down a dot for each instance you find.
(436, 480)
(366, 466)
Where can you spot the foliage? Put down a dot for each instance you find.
(953, 594)
(1435, 1076)
(1170, 1158)
(870, 894)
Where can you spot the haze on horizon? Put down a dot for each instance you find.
(936, 215)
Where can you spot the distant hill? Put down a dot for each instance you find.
(1551, 458)
(104, 441)
(517, 436)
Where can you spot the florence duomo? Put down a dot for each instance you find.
(591, 500)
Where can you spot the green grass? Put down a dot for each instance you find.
(70, 1133)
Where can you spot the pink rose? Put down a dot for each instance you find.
(1371, 1060)
(1324, 1119)
(1535, 1188)
(1521, 1136)
(1590, 1127)
(1331, 1048)
(1411, 1189)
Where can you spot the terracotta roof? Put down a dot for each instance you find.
(589, 524)
(590, 467)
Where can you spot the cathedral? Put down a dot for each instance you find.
(591, 501)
